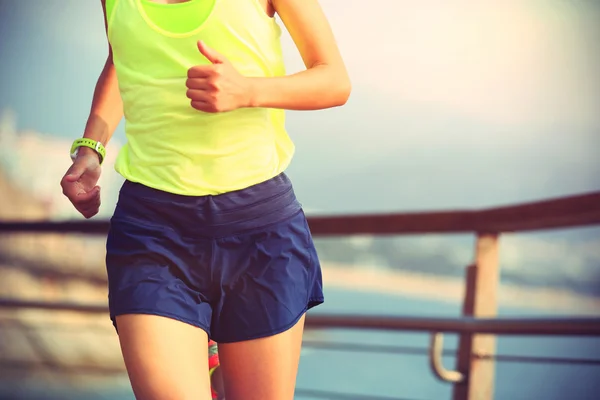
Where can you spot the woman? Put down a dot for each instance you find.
(207, 239)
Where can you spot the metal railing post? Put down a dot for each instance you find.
(481, 300)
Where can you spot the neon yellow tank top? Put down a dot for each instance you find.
(171, 146)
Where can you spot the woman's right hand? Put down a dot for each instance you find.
(80, 182)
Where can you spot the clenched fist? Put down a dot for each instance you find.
(80, 183)
(217, 87)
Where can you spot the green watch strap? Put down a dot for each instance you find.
(92, 144)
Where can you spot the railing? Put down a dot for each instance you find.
(435, 326)
(473, 376)
(567, 212)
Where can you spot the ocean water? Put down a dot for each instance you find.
(393, 375)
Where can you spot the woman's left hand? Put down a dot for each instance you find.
(217, 87)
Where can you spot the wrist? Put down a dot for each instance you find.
(86, 151)
(85, 147)
(252, 90)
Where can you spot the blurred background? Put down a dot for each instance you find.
(455, 105)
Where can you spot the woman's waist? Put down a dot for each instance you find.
(196, 170)
(198, 145)
(255, 206)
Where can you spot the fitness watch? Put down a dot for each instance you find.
(92, 144)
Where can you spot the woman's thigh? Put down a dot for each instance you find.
(262, 369)
(166, 359)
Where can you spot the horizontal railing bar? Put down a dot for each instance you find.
(370, 348)
(54, 306)
(496, 326)
(569, 212)
(413, 350)
(59, 367)
(509, 358)
(566, 212)
(99, 227)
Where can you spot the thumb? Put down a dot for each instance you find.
(211, 55)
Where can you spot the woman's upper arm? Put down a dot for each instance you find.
(103, 2)
(309, 28)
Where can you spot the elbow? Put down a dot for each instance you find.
(335, 86)
(342, 92)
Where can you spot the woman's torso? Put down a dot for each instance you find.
(171, 146)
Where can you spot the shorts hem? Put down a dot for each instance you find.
(311, 303)
(166, 314)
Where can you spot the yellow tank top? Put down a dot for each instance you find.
(171, 146)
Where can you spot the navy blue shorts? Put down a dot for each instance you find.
(240, 265)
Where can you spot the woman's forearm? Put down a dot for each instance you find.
(107, 107)
(316, 88)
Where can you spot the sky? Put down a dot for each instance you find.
(454, 104)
